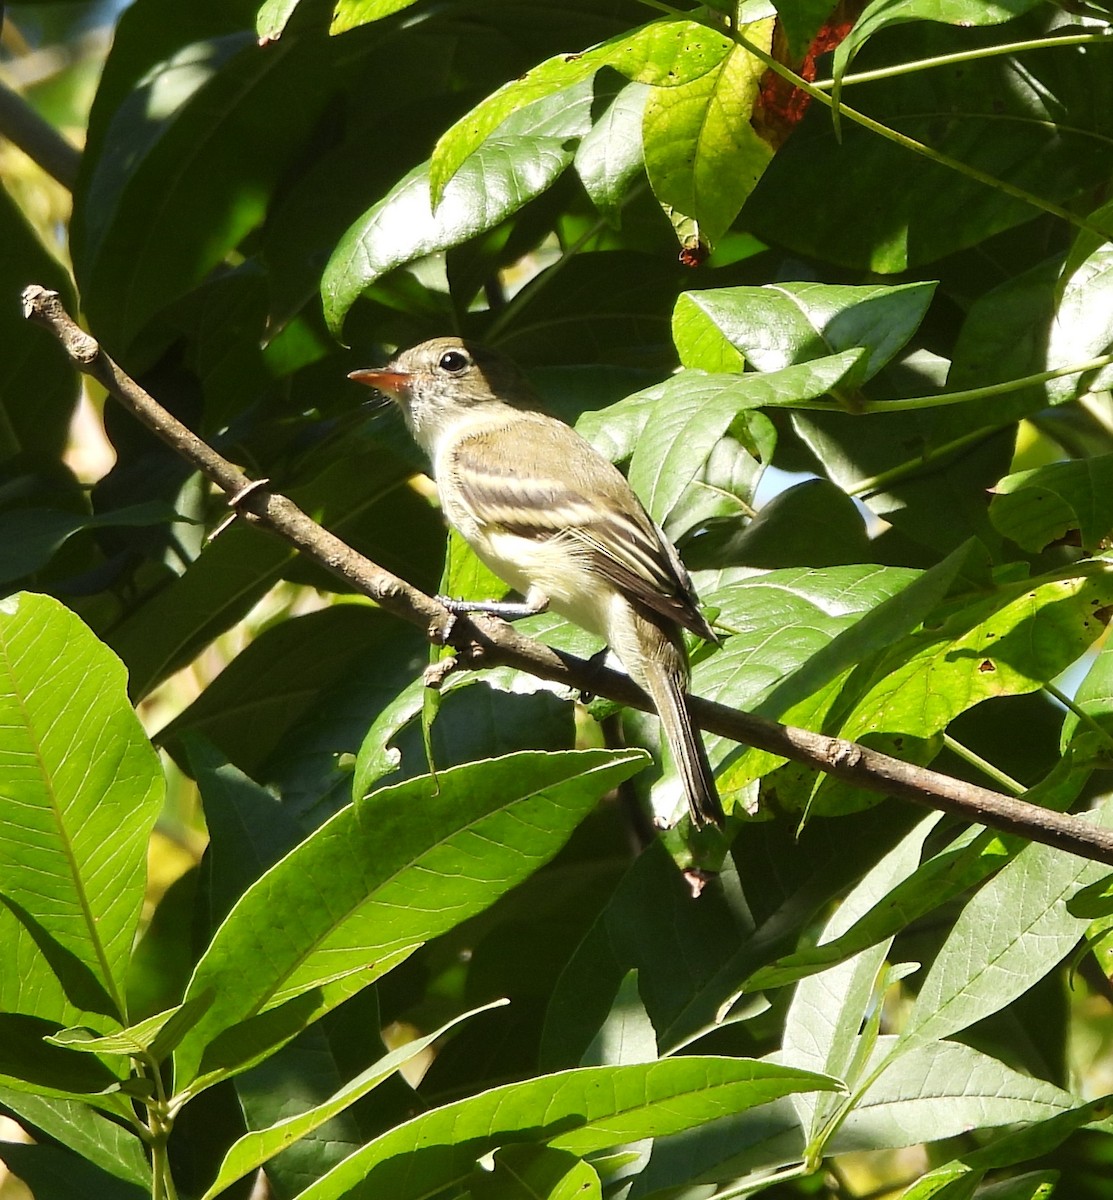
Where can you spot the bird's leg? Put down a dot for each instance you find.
(510, 610)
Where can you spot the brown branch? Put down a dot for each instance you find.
(485, 641)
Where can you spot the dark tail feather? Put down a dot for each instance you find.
(686, 744)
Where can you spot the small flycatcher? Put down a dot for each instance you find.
(559, 523)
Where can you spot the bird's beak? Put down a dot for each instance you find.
(386, 379)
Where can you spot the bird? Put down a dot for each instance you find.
(559, 523)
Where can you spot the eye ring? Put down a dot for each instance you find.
(455, 362)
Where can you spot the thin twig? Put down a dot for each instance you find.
(38, 139)
(486, 641)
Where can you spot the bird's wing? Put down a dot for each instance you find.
(544, 493)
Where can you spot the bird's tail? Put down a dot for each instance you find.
(667, 689)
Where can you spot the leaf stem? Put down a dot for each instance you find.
(1005, 782)
(1084, 717)
(160, 1122)
(747, 1187)
(162, 1183)
(944, 399)
(885, 479)
(961, 56)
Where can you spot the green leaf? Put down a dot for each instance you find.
(801, 20)
(83, 787)
(593, 309)
(702, 155)
(217, 589)
(676, 945)
(258, 1146)
(971, 858)
(665, 54)
(1043, 137)
(610, 155)
(780, 621)
(997, 647)
(694, 410)
(941, 1090)
(288, 673)
(146, 34)
(154, 1037)
(273, 17)
(1009, 936)
(1082, 326)
(1094, 695)
(58, 1174)
(582, 1111)
(627, 1035)
(1003, 337)
(187, 123)
(934, 883)
(34, 367)
(29, 1063)
(361, 494)
(813, 522)
(391, 883)
(29, 538)
(527, 156)
(934, 505)
(683, 418)
(778, 324)
(349, 14)
(824, 1023)
(504, 713)
(146, 124)
(532, 1172)
(318, 1063)
(250, 829)
(377, 757)
(85, 1131)
(891, 617)
(1035, 1185)
(1038, 507)
(1032, 1141)
(883, 13)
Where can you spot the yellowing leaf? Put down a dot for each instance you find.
(702, 154)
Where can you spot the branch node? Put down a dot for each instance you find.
(235, 499)
(844, 755)
(436, 673)
(440, 629)
(45, 307)
(241, 494)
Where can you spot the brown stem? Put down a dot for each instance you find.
(485, 641)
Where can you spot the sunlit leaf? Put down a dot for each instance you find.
(664, 54)
(389, 883)
(940, 1090)
(778, 324)
(582, 1111)
(1043, 505)
(1083, 327)
(83, 787)
(1009, 936)
(530, 151)
(256, 1147)
(702, 155)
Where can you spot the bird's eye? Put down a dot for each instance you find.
(454, 362)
